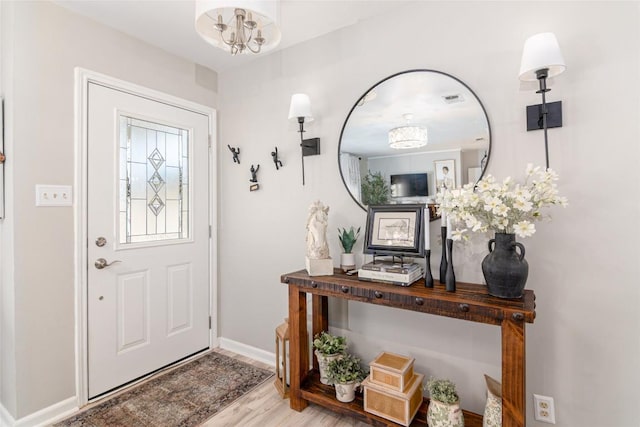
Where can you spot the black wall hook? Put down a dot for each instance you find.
(254, 173)
(274, 155)
(236, 154)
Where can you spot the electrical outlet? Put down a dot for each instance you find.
(544, 410)
(54, 195)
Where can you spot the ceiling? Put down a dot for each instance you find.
(169, 24)
(445, 107)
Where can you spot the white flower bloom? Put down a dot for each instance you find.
(492, 203)
(470, 220)
(522, 205)
(531, 170)
(524, 229)
(458, 234)
(521, 193)
(501, 210)
(484, 186)
(500, 223)
(497, 206)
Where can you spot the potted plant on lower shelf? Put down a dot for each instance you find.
(327, 348)
(444, 404)
(347, 240)
(346, 374)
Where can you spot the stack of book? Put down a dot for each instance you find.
(388, 272)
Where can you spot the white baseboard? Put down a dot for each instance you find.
(43, 417)
(248, 351)
(5, 417)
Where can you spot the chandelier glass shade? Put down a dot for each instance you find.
(239, 26)
(404, 137)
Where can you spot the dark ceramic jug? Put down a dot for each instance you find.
(505, 270)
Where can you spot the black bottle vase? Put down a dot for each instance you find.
(428, 277)
(443, 259)
(450, 280)
(505, 270)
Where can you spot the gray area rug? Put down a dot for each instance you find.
(186, 396)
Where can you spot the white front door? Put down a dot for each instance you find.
(148, 236)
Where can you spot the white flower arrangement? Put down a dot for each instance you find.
(506, 207)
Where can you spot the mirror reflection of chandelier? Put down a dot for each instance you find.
(408, 136)
(242, 26)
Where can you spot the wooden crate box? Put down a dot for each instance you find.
(394, 405)
(392, 371)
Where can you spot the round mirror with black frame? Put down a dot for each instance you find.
(411, 135)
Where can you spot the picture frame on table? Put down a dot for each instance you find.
(395, 230)
(445, 172)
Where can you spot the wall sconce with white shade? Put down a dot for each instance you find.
(300, 109)
(541, 59)
(241, 26)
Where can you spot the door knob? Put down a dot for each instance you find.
(102, 263)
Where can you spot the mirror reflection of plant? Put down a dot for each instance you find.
(348, 238)
(346, 370)
(375, 190)
(328, 344)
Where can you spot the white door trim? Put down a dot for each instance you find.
(82, 79)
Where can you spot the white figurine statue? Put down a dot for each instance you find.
(318, 261)
(317, 247)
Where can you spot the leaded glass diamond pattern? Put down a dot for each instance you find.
(156, 159)
(154, 186)
(156, 204)
(156, 182)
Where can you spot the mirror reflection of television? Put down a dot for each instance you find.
(409, 185)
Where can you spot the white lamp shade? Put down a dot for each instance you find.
(266, 12)
(300, 107)
(541, 51)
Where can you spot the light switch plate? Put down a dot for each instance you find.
(54, 195)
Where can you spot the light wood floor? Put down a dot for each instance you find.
(263, 407)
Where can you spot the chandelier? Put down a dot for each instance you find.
(241, 26)
(408, 136)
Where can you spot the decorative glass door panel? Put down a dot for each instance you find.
(154, 182)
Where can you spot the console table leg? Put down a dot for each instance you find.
(320, 316)
(298, 346)
(513, 373)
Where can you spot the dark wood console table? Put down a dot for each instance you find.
(469, 302)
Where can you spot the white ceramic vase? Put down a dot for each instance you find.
(444, 415)
(493, 408)
(346, 392)
(347, 262)
(323, 362)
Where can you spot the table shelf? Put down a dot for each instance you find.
(470, 302)
(325, 395)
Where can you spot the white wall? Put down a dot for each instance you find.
(584, 345)
(45, 43)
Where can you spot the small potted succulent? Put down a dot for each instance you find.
(346, 374)
(444, 405)
(347, 240)
(327, 348)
